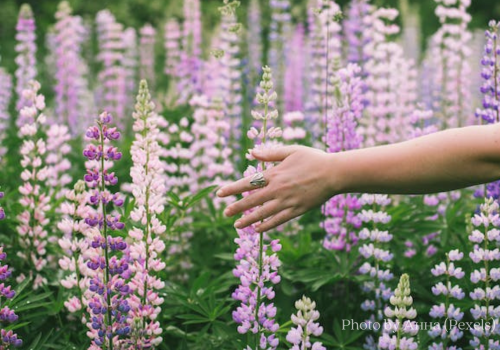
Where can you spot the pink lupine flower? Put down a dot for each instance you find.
(147, 53)
(35, 200)
(5, 96)
(258, 262)
(306, 325)
(148, 189)
(25, 60)
(71, 84)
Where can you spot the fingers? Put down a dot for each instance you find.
(263, 212)
(238, 187)
(276, 220)
(253, 200)
(276, 154)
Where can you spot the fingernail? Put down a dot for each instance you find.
(237, 224)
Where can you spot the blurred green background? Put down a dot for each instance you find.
(137, 12)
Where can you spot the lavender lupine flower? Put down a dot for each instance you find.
(326, 50)
(258, 261)
(341, 221)
(281, 19)
(109, 319)
(254, 39)
(71, 84)
(172, 47)
(357, 30)
(485, 237)
(75, 245)
(35, 200)
(25, 59)
(402, 302)
(391, 83)
(5, 97)
(190, 57)
(113, 96)
(8, 339)
(306, 325)
(130, 63)
(449, 52)
(230, 80)
(375, 251)
(294, 72)
(57, 162)
(147, 53)
(446, 311)
(211, 153)
(148, 189)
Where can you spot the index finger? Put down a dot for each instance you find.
(237, 187)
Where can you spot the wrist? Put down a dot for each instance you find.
(336, 176)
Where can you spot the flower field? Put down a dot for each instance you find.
(114, 140)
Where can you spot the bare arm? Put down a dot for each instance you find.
(306, 177)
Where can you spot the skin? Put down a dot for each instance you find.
(306, 177)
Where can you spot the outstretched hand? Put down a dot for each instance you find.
(299, 183)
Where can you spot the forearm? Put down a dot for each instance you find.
(438, 162)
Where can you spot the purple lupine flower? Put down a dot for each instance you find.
(70, 69)
(485, 235)
(294, 72)
(403, 310)
(130, 62)
(306, 325)
(446, 310)
(378, 256)
(448, 55)
(108, 306)
(8, 338)
(25, 59)
(35, 200)
(148, 189)
(5, 96)
(258, 261)
(341, 221)
(147, 54)
(113, 96)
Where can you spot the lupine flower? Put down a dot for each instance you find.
(402, 302)
(210, 149)
(294, 72)
(130, 63)
(108, 304)
(325, 51)
(25, 59)
(172, 43)
(58, 164)
(258, 262)
(35, 200)
(113, 98)
(75, 245)
(294, 130)
(254, 40)
(5, 96)
(190, 57)
(447, 311)
(485, 236)
(378, 256)
(341, 221)
(281, 19)
(147, 53)
(70, 70)
(306, 325)
(7, 338)
(357, 31)
(148, 189)
(448, 55)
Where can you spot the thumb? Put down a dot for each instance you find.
(274, 154)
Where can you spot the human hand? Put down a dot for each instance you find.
(299, 183)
